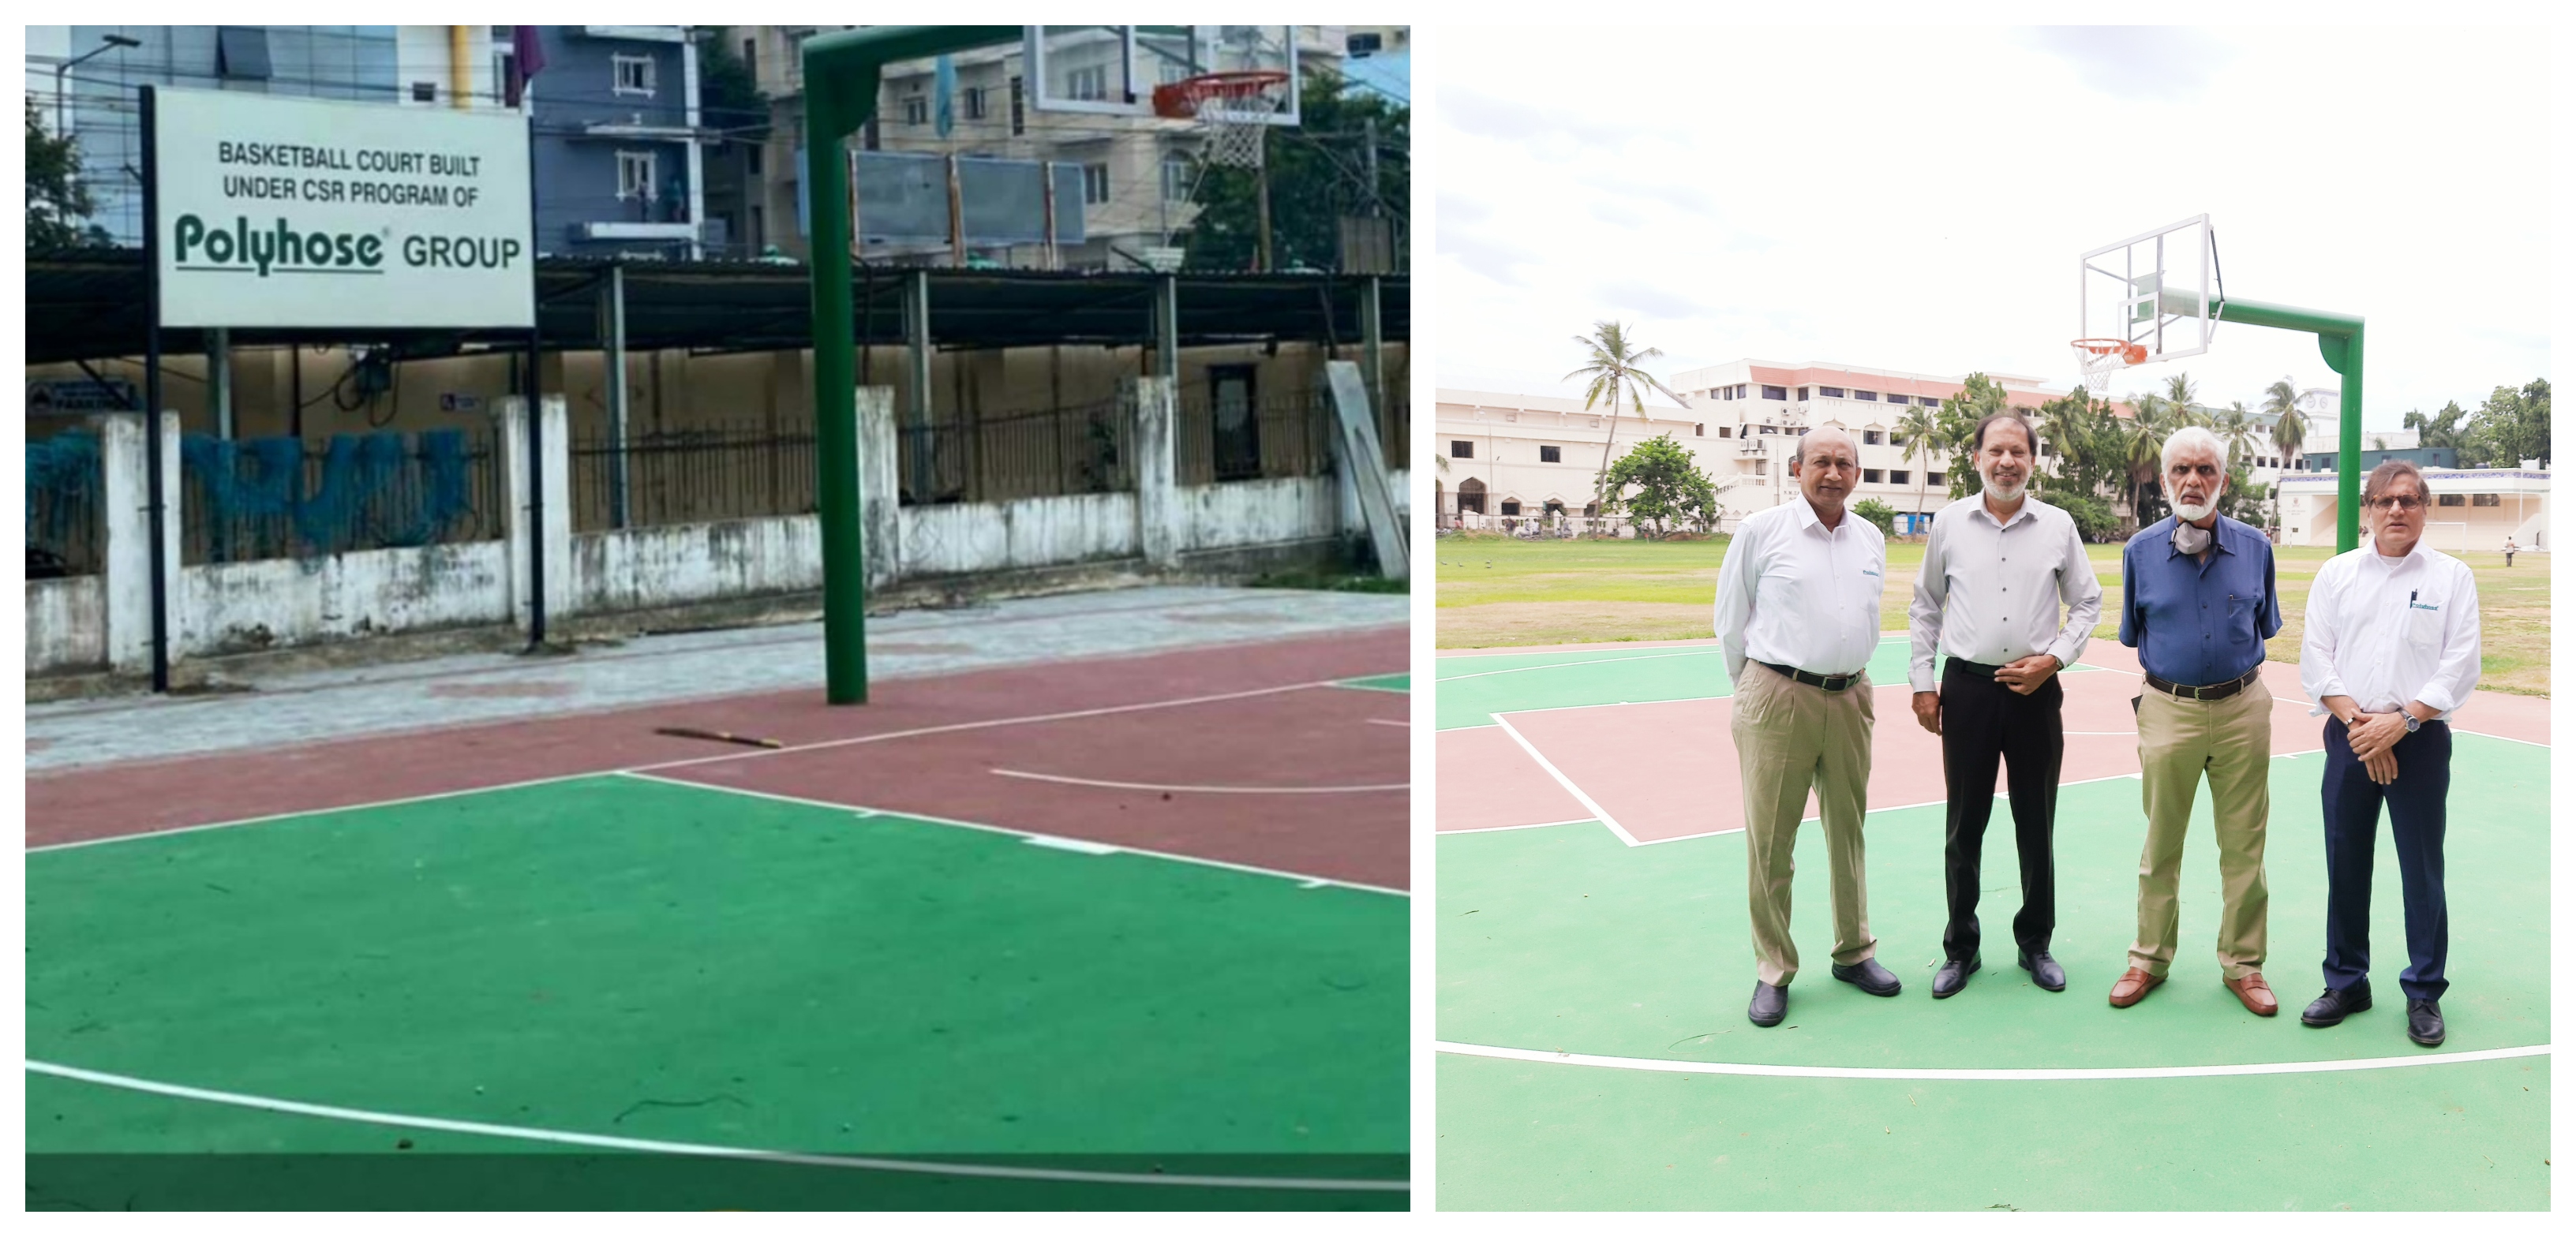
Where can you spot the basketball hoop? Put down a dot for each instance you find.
(1231, 109)
(2102, 357)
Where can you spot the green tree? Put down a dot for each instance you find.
(1319, 173)
(2511, 426)
(2236, 428)
(1612, 371)
(1918, 431)
(1670, 489)
(58, 204)
(2290, 430)
(1878, 513)
(2442, 429)
(1978, 398)
(2141, 453)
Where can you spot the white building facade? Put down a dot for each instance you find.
(2473, 508)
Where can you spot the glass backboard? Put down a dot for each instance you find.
(2158, 290)
(1113, 70)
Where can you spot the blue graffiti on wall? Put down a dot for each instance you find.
(374, 491)
(63, 491)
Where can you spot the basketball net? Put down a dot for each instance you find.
(2101, 358)
(1230, 108)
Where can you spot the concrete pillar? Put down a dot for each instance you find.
(880, 498)
(1151, 406)
(219, 379)
(612, 314)
(1361, 462)
(124, 464)
(512, 411)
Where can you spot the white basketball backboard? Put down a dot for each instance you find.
(2159, 290)
(1113, 70)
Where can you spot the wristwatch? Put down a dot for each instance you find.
(2411, 723)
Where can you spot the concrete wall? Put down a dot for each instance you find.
(66, 624)
(961, 538)
(646, 568)
(1246, 513)
(238, 607)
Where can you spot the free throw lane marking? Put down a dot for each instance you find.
(1199, 790)
(571, 1138)
(1566, 782)
(1658, 1065)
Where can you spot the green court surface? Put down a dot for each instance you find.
(621, 958)
(1564, 940)
(1473, 689)
(1382, 682)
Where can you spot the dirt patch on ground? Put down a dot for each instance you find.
(1570, 622)
(541, 689)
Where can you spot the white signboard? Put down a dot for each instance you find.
(285, 212)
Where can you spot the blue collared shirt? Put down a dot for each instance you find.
(2196, 623)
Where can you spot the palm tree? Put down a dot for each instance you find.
(2180, 394)
(2235, 427)
(1613, 370)
(1917, 430)
(2142, 445)
(2066, 428)
(2291, 428)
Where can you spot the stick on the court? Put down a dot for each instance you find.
(686, 732)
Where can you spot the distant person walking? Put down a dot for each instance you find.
(1797, 617)
(2508, 551)
(2197, 601)
(2391, 650)
(1995, 570)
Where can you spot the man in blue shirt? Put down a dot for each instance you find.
(2197, 602)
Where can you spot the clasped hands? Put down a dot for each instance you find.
(2023, 677)
(2374, 739)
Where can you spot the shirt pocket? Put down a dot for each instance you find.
(2240, 619)
(2423, 624)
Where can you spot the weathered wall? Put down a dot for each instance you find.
(234, 607)
(1243, 513)
(66, 624)
(646, 568)
(959, 538)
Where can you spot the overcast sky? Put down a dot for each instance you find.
(1916, 199)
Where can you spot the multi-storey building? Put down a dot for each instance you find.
(619, 160)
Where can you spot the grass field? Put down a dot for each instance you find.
(1496, 590)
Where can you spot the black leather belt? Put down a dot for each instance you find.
(1830, 682)
(2215, 691)
(1978, 669)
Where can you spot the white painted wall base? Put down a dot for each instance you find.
(66, 624)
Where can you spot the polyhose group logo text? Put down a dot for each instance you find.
(278, 248)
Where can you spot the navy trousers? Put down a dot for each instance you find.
(2415, 818)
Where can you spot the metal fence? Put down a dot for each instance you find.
(259, 498)
(735, 471)
(1037, 453)
(65, 534)
(1288, 434)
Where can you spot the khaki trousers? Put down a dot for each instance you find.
(1788, 737)
(2230, 741)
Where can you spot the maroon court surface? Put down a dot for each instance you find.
(1245, 754)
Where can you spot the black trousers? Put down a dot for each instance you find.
(1983, 721)
(2418, 810)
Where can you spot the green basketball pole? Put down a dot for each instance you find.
(842, 74)
(2339, 340)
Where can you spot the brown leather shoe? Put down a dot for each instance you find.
(2133, 987)
(2256, 994)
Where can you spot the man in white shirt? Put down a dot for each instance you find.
(1797, 615)
(1995, 569)
(2391, 651)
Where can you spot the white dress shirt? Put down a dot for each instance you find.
(1989, 591)
(2388, 631)
(1795, 593)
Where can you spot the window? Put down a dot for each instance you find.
(634, 74)
(1934, 478)
(1899, 476)
(424, 92)
(1830, 392)
(1739, 390)
(1897, 399)
(1461, 449)
(751, 158)
(1176, 177)
(2486, 500)
(2450, 500)
(1551, 455)
(1019, 109)
(241, 53)
(1095, 183)
(1700, 430)
(635, 174)
(1802, 392)
(1871, 396)
(751, 61)
(1511, 506)
(1726, 431)
(1870, 476)
(916, 110)
(1779, 393)
(1088, 82)
(1770, 429)
(1368, 43)
(973, 98)
(759, 232)
(1873, 437)
(504, 67)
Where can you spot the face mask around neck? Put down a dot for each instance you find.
(2191, 538)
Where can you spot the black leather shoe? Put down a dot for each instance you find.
(2424, 1023)
(1953, 976)
(1868, 976)
(2044, 971)
(2336, 1005)
(1770, 1004)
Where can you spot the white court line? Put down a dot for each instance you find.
(1060, 779)
(610, 1142)
(681, 764)
(1385, 721)
(1566, 782)
(1005, 831)
(1657, 1065)
(2506, 737)
(1508, 828)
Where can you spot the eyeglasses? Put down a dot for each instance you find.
(2395, 502)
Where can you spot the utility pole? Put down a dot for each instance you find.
(1368, 128)
(1261, 173)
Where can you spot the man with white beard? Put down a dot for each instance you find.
(1995, 570)
(2197, 602)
